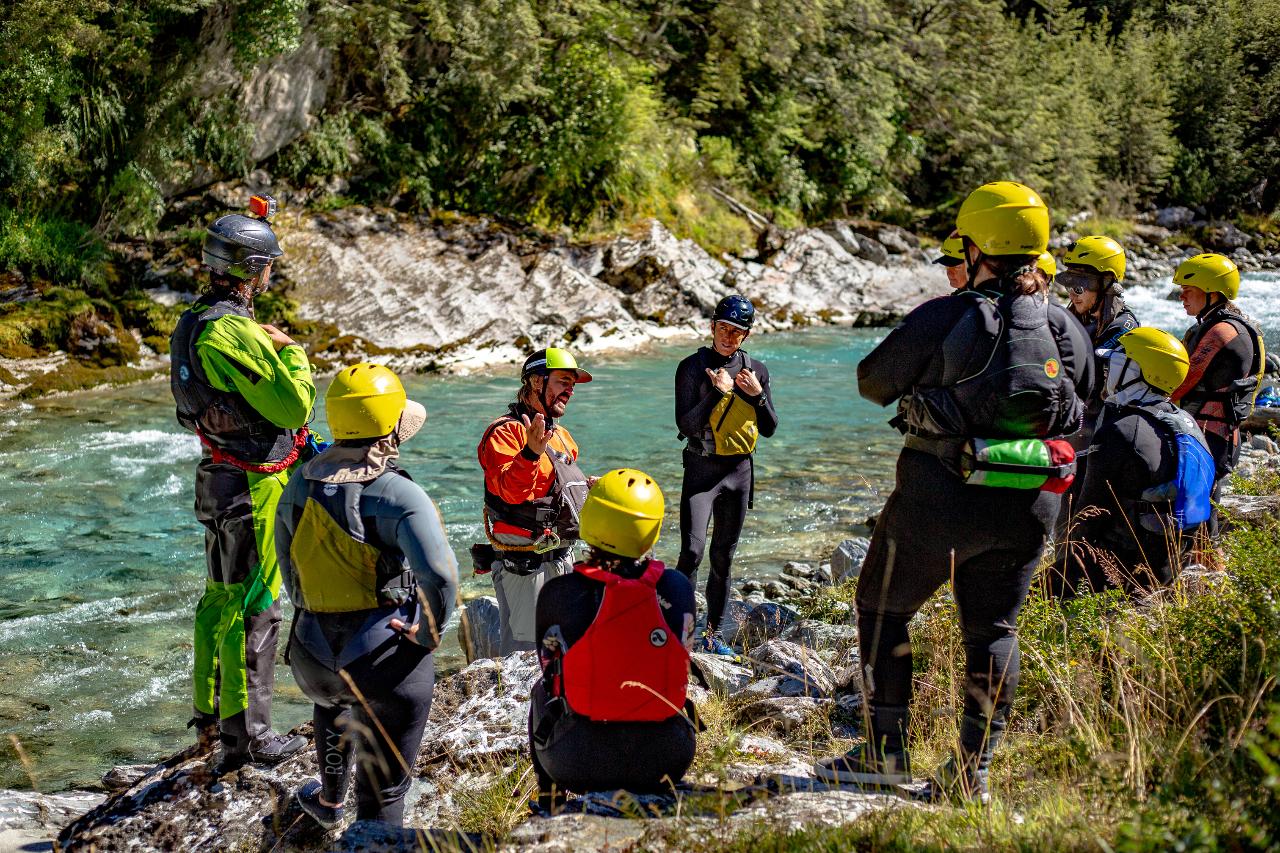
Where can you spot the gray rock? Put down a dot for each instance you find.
(1250, 509)
(125, 776)
(783, 713)
(1151, 233)
(479, 630)
(846, 561)
(800, 570)
(822, 637)
(1174, 218)
(735, 616)
(766, 621)
(723, 675)
(899, 241)
(1265, 444)
(1225, 235)
(871, 249)
(776, 590)
(29, 819)
(795, 663)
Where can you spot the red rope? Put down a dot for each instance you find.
(222, 456)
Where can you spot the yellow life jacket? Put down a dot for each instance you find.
(733, 426)
(338, 568)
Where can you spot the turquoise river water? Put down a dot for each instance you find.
(101, 560)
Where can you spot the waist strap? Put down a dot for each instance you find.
(222, 456)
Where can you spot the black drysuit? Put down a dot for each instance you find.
(935, 528)
(578, 754)
(715, 488)
(1131, 452)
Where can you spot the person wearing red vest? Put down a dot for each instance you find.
(614, 640)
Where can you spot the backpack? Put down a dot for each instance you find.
(1183, 502)
(1019, 391)
(628, 667)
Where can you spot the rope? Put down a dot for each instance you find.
(222, 456)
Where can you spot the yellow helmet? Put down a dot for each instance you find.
(1005, 218)
(1100, 253)
(1046, 264)
(1211, 273)
(623, 513)
(952, 250)
(364, 401)
(1161, 357)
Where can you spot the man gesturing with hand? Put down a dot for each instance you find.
(723, 404)
(533, 490)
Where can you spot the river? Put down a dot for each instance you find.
(102, 561)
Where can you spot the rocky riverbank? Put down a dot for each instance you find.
(426, 293)
(793, 696)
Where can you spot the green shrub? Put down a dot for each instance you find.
(51, 248)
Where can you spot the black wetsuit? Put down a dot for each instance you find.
(578, 754)
(1104, 338)
(1131, 452)
(715, 488)
(935, 528)
(1216, 366)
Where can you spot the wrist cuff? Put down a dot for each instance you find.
(529, 454)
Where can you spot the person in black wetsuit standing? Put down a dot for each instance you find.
(1149, 479)
(993, 369)
(723, 403)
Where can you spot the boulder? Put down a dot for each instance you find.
(847, 559)
(1174, 218)
(822, 637)
(125, 776)
(1151, 233)
(800, 570)
(479, 631)
(1250, 509)
(735, 615)
(1225, 235)
(29, 819)
(783, 713)
(722, 674)
(793, 663)
(766, 621)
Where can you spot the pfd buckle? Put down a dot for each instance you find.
(548, 541)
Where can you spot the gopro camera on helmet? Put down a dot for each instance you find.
(263, 206)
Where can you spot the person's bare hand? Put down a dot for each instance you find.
(409, 633)
(591, 481)
(278, 338)
(536, 433)
(721, 380)
(749, 383)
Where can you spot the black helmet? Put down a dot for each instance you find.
(240, 246)
(736, 311)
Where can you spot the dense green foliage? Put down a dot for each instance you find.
(591, 112)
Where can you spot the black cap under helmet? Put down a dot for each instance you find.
(736, 311)
(240, 246)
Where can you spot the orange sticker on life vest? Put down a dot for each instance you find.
(1052, 368)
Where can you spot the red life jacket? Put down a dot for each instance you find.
(628, 666)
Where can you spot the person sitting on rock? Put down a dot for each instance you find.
(373, 580)
(533, 490)
(1228, 360)
(1149, 477)
(614, 638)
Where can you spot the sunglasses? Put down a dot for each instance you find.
(1079, 283)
